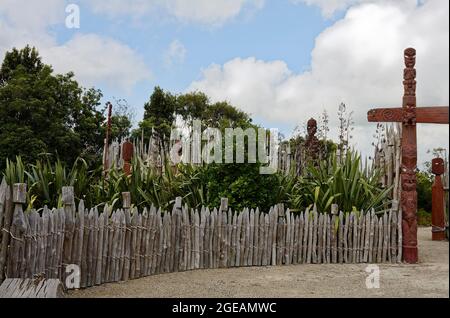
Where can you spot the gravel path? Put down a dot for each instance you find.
(430, 278)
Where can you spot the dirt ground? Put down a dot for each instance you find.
(430, 278)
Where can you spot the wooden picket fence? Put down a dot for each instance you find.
(121, 245)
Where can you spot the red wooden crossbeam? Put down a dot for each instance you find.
(425, 115)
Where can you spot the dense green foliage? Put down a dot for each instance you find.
(45, 113)
(56, 127)
(344, 184)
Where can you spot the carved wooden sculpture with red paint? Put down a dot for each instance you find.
(127, 155)
(437, 216)
(409, 115)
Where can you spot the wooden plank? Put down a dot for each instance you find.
(5, 235)
(238, 240)
(43, 228)
(187, 240)
(301, 226)
(3, 189)
(100, 237)
(295, 242)
(393, 236)
(138, 255)
(152, 239)
(385, 238)
(229, 237)
(355, 238)
(388, 228)
(207, 216)
(350, 237)
(367, 238)
(274, 236)
(341, 238)
(371, 236)
(375, 240)
(233, 247)
(314, 236)
(280, 230)
(266, 253)
(217, 238)
(361, 236)
(192, 241)
(256, 234)
(345, 238)
(306, 233)
(329, 231)
(246, 238)
(287, 243)
(49, 241)
(251, 238)
(84, 250)
(69, 231)
(197, 239)
(159, 258)
(320, 239)
(380, 240)
(90, 248)
(225, 240)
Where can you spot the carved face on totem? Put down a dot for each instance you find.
(409, 157)
(127, 151)
(438, 167)
(409, 204)
(410, 57)
(409, 116)
(409, 181)
(312, 127)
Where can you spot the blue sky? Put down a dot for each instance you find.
(281, 61)
(281, 31)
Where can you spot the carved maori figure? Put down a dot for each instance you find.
(409, 160)
(312, 145)
(409, 181)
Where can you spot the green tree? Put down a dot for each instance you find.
(43, 113)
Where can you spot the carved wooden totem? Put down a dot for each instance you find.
(409, 160)
(410, 115)
(127, 155)
(437, 217)
(312, 145)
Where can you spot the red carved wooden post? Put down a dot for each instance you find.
(127, 155)
(437, 216)
(409, 115)
(409, 160)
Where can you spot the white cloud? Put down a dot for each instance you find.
(359, 61)
(206, 12)
(94, 59)
(175, 54)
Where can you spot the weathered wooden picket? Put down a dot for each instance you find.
(121, 245)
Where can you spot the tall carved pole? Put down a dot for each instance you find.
(409, 160)
(437, 216)
(108, 135)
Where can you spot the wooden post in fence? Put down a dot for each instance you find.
(334, 209)
(126, 201)
(17, 231)
(7, 216)
(224, 205)
(68, 199)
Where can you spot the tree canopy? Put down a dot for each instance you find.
(46, 113)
